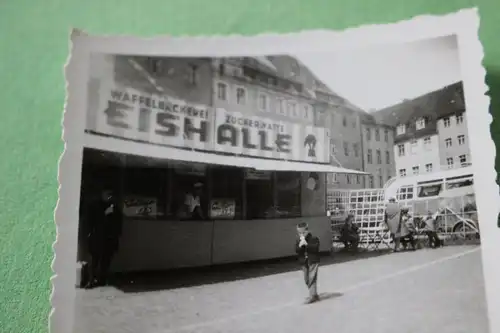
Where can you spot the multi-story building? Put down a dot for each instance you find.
(424, 136)
(255, 90)
(378, 151)
(337, 114)
(253, 86)
(187, 79)
(345, 139)
(285, 89)
(452, 128)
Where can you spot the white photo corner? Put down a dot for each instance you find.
(192, 165)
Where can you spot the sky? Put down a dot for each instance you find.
(375, 78)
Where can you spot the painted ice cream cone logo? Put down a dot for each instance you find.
(310, 143)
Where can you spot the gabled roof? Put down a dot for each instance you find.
(293, 69)
(437, 104)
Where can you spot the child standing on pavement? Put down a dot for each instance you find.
(307, 248)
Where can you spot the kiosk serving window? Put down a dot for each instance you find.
(259, 193)
(140, 199)
(287, 194)
(226, 193)
(169, 190)
(180, 183)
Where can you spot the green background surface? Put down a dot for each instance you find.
(33, 49)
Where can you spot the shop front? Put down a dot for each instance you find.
(254, 180)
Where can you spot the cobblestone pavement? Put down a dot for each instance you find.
(424, 291)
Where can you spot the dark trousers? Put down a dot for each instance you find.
(101, 257)
(350, 242)
(409, 239)
(311, 278)
(434, 240)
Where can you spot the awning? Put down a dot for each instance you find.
(121, 146)
(268, 165)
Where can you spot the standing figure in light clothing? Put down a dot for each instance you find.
(307, 248)
(393, 220)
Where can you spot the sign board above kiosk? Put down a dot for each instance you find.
(128, 121)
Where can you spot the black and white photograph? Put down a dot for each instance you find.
(276, 191)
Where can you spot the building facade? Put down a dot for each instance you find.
(378, 152)
(345, 139)
(453, 141)
(417, 156)
(187, 79)
(430, 132)
(337, 114)
(253, 87)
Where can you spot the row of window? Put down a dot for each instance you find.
(333, 178)
(414, 146)
(427, 144)
(164, 67)
(371, 181)
(369, 155)
(450, 164)
(256, 75)
(345, 121)
(449, 142)
(416, 170)
(356, 179)
(421, 123)
(377, 134)
(459, 119)
(164, 193)
(345, 146)
(283, 107)
(462, 160)
(432, 190)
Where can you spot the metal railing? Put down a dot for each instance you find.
(454, 222)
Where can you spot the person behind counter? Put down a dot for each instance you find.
(191, 208)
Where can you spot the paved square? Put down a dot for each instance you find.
(424, 291)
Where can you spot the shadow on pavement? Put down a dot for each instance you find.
(326, 296)
(184, 278)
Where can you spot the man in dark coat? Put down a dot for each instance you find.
(349, 233)
(105, 227)
(307, 248)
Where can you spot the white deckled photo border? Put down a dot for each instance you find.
(464, 24)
